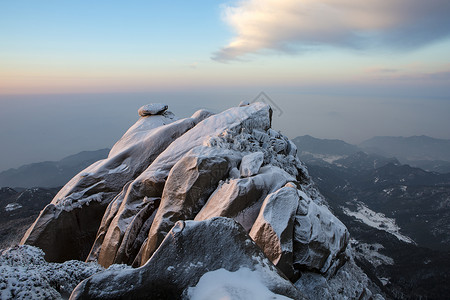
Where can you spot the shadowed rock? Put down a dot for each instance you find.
(320, 238)
(190, 250)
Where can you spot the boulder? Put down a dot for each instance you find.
(189, 251)
(273, 229)
(152, 109)
(320, 239)
(66, 235)
(241, 199)
(189, 184)
(251, 163)
(130, 204)
(95, 187)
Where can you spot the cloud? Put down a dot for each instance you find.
(301, 25)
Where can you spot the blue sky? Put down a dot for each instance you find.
(340, 68)
(104, 46)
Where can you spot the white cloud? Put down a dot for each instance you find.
(298, 25)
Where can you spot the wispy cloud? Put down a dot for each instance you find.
(299, 25)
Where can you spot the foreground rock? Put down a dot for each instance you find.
(190, 250)
(26, 275)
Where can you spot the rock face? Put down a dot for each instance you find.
(135, 208)
(320, 239)
(89, 193)
(274, 228)
(190, 250)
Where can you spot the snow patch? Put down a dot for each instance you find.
(377, 220)
(12, 206)
(120, 169)
(243, 284)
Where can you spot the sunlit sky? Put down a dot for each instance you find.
(384, 49)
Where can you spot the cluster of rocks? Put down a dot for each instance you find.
(177, 198)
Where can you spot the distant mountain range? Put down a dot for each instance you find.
(50, 173)
(398, 215)
(422, 152)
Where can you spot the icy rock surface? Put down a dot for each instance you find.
(24, 274)
(190, 250)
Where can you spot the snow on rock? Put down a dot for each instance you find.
(241, 199)
(135, 206)
(256, 116)
(152, 109)
(90, 192)
(150, 183)
(190, 250)
(26, 275)
(320, 239)
(378, 221)
(188, 186)
(243, 284)
(251, 163)
(350, 282)
(274, 228)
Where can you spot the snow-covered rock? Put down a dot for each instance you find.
(350, 282)
(189, 251)
(152, 109)
(241, 199)
(24, 274)
(320, 239)
(188, 186)
(57, 230)
(251, 163)
(274, 228)
(137, 206)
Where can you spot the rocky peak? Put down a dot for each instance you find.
(166, 174)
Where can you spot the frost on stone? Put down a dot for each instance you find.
(320, 239)
(251, 163)
(26, 275)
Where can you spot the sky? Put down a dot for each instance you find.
(74, 73)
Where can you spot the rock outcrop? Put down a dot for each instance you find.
(167, 198)
(189, 251)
